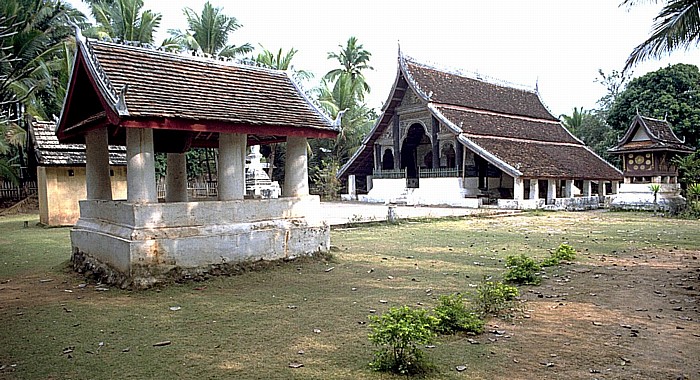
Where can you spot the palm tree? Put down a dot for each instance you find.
(281, 61)
(574, 121)
(676, 26)
(124, 20)
(353, 59)
(35, 41)
(208, 33)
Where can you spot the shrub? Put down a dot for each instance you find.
(492, 297)
(564, 252)
(398, 332)
(522, 270)
(453, 315)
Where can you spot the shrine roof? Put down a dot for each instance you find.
(48, 151)
(534, 159)
(454, 87)
(146, 87)
(657, 135)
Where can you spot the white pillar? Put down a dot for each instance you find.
(296, 168)
(140, 166)
(352, 186)
(97, 181)
(370, 182)
(551, 190)
(614, 186)
(586, 188)
(232, 152)
(568, 188)
(534, 189)
(176, 178)
(518, 188)
(601, 188)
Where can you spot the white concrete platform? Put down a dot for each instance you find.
(343, 213)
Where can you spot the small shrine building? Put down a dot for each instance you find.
(446, 137)
(155, 101)
(60, 174)
(647, 150)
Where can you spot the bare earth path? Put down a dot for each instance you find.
(617, 318)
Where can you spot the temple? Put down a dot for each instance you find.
(647, 150)
(154, 101)
(447, 137)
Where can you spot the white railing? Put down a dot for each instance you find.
(194, 189)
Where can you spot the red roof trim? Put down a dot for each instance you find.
(223, 127)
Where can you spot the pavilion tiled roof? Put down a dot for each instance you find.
(49, 152)
(146, 87)
(660, 133)
(165, 84)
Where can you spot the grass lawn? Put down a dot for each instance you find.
(251, 326)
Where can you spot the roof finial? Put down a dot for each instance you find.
(537, 84)
(665, 115)
(338, 118)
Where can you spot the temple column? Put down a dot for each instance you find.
(352, 186)
(232, 152)
(435, 129)
(140, 166)
(296, 168)
(396, 132)
(97, 181)
(176, 178)
(534, 189)
(518, 188)
(586, 188)
(568, 188)
(615, 185)
(551, 190)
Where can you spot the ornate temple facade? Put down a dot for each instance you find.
(446, 137)
(647, 150)
(155, 101)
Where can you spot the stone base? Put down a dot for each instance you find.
(142, 244)
(637, 196)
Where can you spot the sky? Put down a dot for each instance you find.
(560, 45)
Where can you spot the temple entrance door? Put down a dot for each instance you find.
(415, 138)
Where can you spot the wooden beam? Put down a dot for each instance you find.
(215, 126)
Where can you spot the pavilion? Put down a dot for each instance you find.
(155, 101)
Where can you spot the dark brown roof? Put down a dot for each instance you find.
(456, 89)
(548, 160)
(489, 124)
(507, 126)
(145, 87)
(660, 133)
(49, 152)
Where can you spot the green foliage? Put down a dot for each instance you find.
(564, 252)
(325, 182)
(522, 270)
(124, 20)
(398, 333)
(453, 316)
(591, 128)
(208, 33)
(688, 168)
(669, 93)
(675, 27)
(493, 297)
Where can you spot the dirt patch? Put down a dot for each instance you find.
(612, 318)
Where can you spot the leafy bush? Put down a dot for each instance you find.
(453, 316)
(492, 297)
(522, 270)
(564, 252)
(398, 332)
